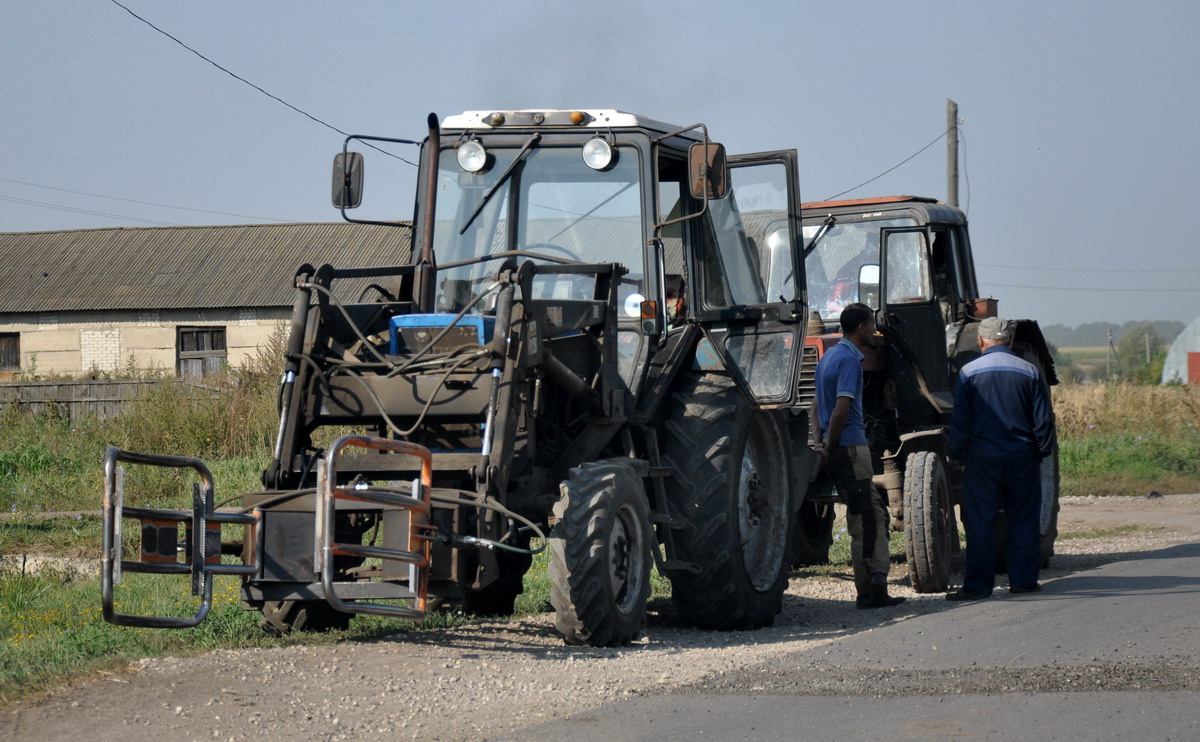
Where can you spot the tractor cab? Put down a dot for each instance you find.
(907, 257)
(700, 238)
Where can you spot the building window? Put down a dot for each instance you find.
(200, 350)
(10, 351)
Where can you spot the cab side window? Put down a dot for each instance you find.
(908, 276)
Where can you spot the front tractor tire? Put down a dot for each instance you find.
(729, 486)
(600, 557)
(928, 522)
(281, 617)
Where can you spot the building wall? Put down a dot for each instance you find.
(80, 343)
(1177, 367)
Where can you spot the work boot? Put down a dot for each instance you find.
(958, 595)
(878, 598)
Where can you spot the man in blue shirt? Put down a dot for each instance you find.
(843, 449)
(1001, 429)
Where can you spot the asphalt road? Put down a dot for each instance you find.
(1106, 654)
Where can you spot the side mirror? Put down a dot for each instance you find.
(708, 177)
(347, 180)
(868, 285)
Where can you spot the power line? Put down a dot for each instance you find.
(885, 172)
(144, 203)
(90, 212)
(247, 82)
(1079, 288)
(1091, 270)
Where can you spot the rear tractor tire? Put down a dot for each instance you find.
(1048, 517)
(729, 485)
(600, 556)
(928, 522)
(1050, 504)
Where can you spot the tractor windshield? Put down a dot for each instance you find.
(540, 197)
(832, 267)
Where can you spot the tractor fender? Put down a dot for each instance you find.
(933, 439)
(1030, 334)
(965, 346)
(892, 478)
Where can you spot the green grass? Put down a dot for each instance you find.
(1129, 464)
(70, 536)
(839, 552)
(1124, 439)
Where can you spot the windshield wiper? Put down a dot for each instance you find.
(500, 181)
(820, 233)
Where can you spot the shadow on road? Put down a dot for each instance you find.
(802, 617)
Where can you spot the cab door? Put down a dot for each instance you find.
(750, 294)
(911, 312)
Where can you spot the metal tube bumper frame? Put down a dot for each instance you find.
(198, 563)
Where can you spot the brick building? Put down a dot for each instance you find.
(190, 299)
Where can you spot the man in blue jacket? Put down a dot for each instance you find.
(1001, 429)
(841, 439)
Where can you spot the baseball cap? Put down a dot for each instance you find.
(994, 328)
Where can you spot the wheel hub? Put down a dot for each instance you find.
(625, 561)
(762, 530)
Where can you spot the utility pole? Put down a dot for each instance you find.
(951, 152)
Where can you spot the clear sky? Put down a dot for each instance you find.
(1080, 135)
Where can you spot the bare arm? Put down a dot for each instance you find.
(837, 421)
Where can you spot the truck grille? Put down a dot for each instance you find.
(808, 376)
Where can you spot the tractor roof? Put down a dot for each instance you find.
(868, 202)
(580, 118)
(923, 208)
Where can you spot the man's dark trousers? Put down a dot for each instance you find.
(1015, 485)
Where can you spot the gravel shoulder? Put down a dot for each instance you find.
(494, 678)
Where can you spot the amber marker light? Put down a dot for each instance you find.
(577, 117)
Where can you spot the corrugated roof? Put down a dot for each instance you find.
(181, 267)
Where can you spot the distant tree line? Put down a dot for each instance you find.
(1095, 334)
(1137, 355)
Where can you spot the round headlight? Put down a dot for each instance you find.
(471, 156)
(598, 154)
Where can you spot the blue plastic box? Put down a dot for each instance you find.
(484, 326)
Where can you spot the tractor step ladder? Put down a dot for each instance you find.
(160, 539)
(419, 507)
